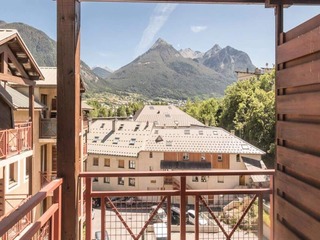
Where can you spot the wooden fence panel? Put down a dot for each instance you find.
(297, 181)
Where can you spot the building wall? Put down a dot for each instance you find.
(197, 157)
(17, 190)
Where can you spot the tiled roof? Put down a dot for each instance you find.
(168, 115)
(50, 76)
(127, 139)
(16, 99)
(22, 53)
(102, 140)
(198, 139)
(253, 164)
(6, 33)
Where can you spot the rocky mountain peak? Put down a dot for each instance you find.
(213, 51)
(160, 43)
(189, 53)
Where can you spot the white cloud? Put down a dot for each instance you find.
(197, 29)
(160, 15)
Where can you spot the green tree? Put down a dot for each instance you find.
(248, 107)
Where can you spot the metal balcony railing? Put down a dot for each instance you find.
(48, 128)
(148, 213)
(14, 141)
(46, 177)
(48, 226)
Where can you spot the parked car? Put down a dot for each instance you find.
(192, 218)
(175, 215)
(97, 235)
(160, 216)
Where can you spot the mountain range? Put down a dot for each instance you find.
(162, 71)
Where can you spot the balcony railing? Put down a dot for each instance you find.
(48, 128)
(14, 141)
(48, 226)
(219, 213)
(47, 177)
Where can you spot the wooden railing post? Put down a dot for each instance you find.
(260, 217)
(88, 207)
(57, 198)
(183, 207)
(169, 218)
(196, 237)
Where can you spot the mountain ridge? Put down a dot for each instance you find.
(162, 71)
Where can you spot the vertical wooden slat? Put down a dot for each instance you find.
(103, 218)
(68, 100)
(260, 216)
(183, 207)
(31, 137)
(278, 41)
(297, 179)
(169, 218)
(196, 232)
(88, 207)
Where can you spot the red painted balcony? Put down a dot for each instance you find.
(176, 213)
(15, 141)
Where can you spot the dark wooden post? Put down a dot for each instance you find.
(278, 41)
(31, 119)
(68, 87)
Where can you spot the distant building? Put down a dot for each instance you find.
(160, 144)
(242, 75)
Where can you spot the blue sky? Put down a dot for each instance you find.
(114, 34)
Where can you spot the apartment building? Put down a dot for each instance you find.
(171, 140)
(18, 120)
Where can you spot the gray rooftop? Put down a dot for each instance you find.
(198, 139)
(16, 99)
(167, 115)
(127, 139)
(147, 137)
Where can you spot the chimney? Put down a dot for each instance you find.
(232, 132)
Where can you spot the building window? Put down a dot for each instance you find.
(106, 180)
(95, 161)
(220, 158)
(121, 164)
(107, 162)
(120, 180)
(13, 173)
(132, 182)
(168, 143)
(137, 127)
(195, 179)
(203, 156)
(95, 179)
(220, 179)
(116, 140)
(187, 131)
(132, 164)
(150, 155)
(132, 141)
(238, 157)
(203, 179)
(185, 156)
